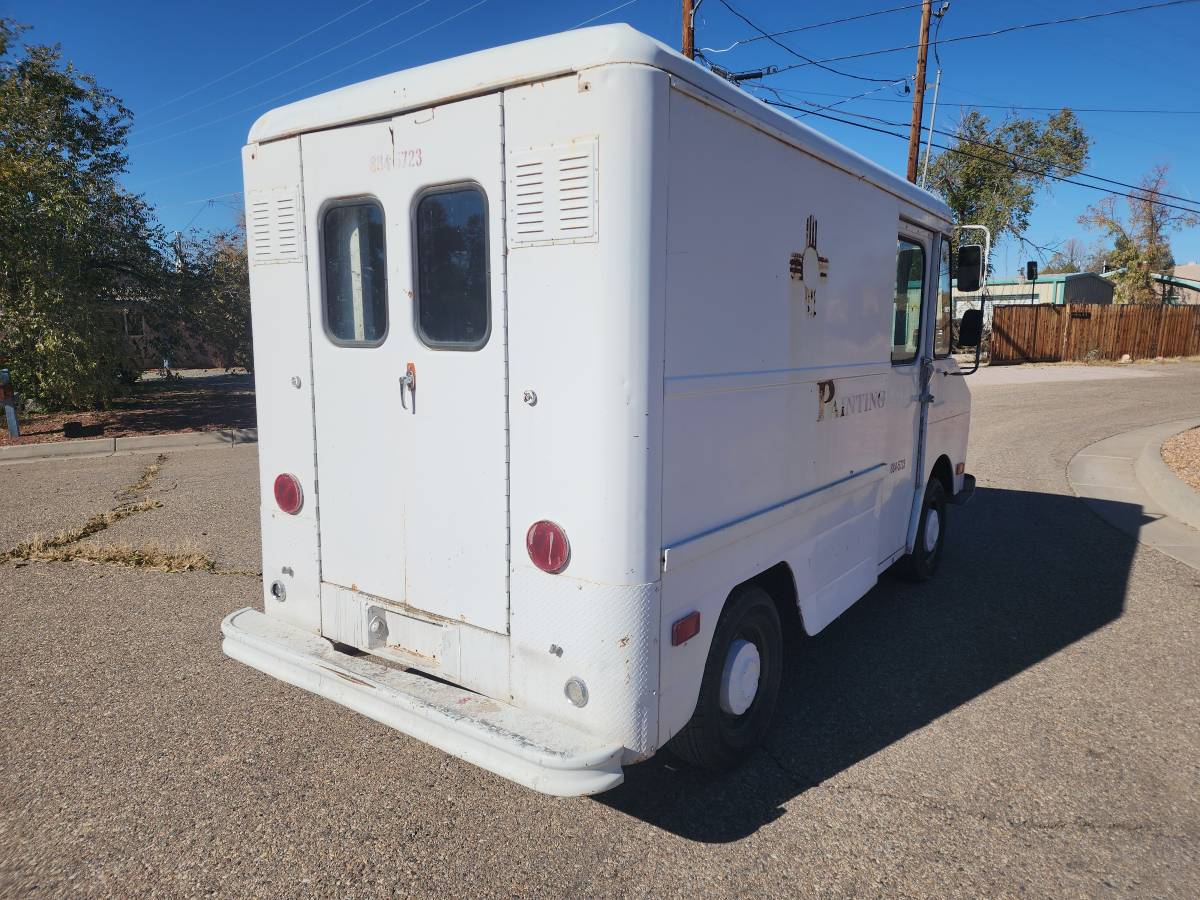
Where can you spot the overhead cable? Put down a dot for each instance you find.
(822, 63)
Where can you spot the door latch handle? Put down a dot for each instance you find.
(409, 383)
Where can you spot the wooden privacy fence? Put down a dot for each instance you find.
(1084, 331)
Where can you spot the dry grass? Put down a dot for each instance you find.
(147, 479)
(147, 556)
(46, 543)
(71, 545)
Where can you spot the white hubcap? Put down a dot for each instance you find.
(933, 529)
(739, 681)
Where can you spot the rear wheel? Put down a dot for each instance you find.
(922, 563)
(740, 684)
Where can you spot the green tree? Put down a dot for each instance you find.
(1141, 238)
(215, 295)
(992, 174)
(73, 241)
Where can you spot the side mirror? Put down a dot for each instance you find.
(970, 268)
(970, 329)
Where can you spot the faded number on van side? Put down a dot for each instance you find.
(397, 159)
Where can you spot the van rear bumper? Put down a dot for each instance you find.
(539, 753)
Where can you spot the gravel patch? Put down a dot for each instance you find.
(1182, 456)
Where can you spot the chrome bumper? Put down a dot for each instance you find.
(539, 753)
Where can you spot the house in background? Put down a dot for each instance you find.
(144, 346)
(1181, 287)
(1073, 287)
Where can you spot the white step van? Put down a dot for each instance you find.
(581, 374)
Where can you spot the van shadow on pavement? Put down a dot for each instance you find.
(1023, 576)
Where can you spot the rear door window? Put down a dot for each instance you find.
(355, 273)
(453, 306)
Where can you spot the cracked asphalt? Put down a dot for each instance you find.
(1028, 724)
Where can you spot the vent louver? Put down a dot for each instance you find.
(552, 194)
(529, 199)
(274, 226)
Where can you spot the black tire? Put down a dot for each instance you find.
(922, 564)
(718, 740)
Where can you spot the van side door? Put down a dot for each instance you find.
(911, 290)
(946, 426)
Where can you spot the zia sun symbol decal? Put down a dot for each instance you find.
(808, 267)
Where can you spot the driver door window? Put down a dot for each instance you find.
(906, 303)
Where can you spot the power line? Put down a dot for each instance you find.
(985, 34)
(1013, 106)
(145, 184)
(808, 61)
(259, 59)
(1021, 156)
(283, 72)
(389, 48)
(777, 93)
(607, 12)
(1142, 198)
(211, 199)
(1143, 194)
(199, 212)
(235, 159)
(308, 84)
(775, 34)
(937, 31)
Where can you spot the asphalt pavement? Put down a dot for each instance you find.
(1027, 724)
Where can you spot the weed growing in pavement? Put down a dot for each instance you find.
(147, 479)
(147, 556)
(70, 545)
(44, 544)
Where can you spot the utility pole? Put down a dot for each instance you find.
(918, 113)
(689, 29)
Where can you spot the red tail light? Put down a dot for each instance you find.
(288, 493)
(548, 547)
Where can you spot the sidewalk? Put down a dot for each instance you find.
(146, 442)
(1124, 479)
(192, 408)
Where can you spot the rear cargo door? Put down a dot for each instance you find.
(409, 361)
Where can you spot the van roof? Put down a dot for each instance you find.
(548, 57)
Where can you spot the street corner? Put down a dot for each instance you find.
(1124, 479)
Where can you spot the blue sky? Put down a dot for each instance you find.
(193, 76)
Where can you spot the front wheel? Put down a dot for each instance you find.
(740, 684)
(922, 563)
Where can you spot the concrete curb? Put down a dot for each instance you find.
(1108, 476)
(1176, 497)
(230, 437)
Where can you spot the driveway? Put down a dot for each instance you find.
(1026, 724)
